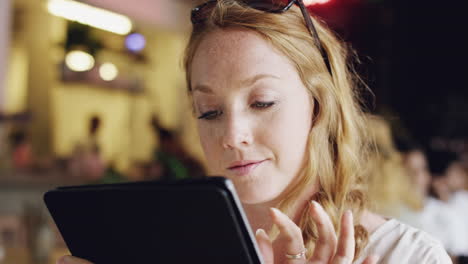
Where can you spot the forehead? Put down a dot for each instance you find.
(234, 53)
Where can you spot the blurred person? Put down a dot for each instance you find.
(277, 113)
(389, 187)
(91, 142)
(21, 150)
(171, 161)
(4, 146)
(435, 217)
(450, 177)
(40, 237)
(86, 161)
(456, 178)
(449, 183)
(138, 171)
(464, 160)
(111, 175)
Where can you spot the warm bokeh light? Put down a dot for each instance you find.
(315, 2)
(79, 61)
(91, 16)
(108, 71)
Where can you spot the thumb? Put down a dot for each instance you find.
(265, 246)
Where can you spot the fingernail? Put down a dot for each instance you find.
(260, 232)
(316, 205)
(276, 211)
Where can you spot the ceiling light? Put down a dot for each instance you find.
(91, 16)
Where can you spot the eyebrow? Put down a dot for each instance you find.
(246, 82)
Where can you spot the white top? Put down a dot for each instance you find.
(397, 243)
(440, 220)
(459, 202)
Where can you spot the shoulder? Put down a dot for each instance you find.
(396, 242)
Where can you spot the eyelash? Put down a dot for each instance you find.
(211, 115)
(262, 105)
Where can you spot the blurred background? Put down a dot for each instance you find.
(93, 91)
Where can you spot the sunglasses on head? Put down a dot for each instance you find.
(200, 13)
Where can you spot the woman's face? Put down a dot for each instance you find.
(417, 167)
(254, 113)
(456, 176)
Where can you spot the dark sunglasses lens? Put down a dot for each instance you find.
(267, 5)
(200, 13)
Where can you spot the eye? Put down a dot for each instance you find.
(261, 105)
(210, 115)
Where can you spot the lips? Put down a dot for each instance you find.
(244, 167)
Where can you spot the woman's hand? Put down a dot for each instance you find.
(71, 260)
(288, 248)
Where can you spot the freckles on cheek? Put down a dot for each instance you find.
(211, 151)
(205, 143)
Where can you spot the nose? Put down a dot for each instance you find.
(237, 133)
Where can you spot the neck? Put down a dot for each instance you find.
(259, 214)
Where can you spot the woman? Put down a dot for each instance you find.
(278, 115)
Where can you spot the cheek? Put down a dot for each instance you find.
(288, 134)
(211, 149)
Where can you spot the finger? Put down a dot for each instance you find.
(265, 246)
(290, 234)
(371, 260)
(71, 260)
(326, 244)
(345, 250)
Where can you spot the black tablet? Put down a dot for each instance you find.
(185, 221)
